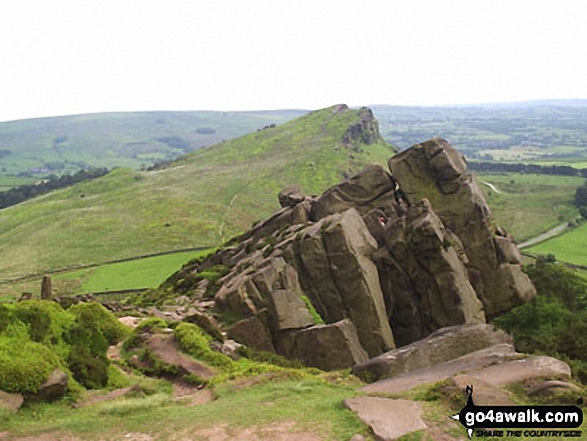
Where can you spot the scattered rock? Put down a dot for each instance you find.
(53, 388)
(291, 196)
(388, 419)
(552, 387)
(130, 321)
(230, 348)
(25, 296)
(10, 401)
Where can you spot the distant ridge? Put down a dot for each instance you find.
(202, 198)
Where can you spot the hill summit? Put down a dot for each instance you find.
(376, 262)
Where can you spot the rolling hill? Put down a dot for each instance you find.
(40, 146)
(201, 199)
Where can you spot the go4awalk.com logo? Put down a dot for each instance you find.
(527, 421)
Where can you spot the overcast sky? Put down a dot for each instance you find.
(65, 57)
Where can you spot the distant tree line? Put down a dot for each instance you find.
(560, 170)
(21, 193)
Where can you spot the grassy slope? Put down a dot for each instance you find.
(311, 405)
(206, 197)
(120, 139)
(569, 247)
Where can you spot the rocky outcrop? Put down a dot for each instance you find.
(436, 171)
(376, 262)
(366, 131)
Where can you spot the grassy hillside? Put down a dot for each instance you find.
(528, 205)
(570, 247)
(201, 200)
(131, 139)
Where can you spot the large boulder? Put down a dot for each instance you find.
(443, 345)
(436, 171)
(327, 347)
(53, 388)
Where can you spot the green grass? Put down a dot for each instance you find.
(149, 272)
(530, 204)
(202, 200)
(569, 247)
(7, 182)
(313, 405)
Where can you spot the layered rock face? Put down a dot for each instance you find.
(377, 262)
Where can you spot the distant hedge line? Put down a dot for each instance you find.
(19, 194)
(560, 170)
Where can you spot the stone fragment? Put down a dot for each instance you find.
(552, 387)
(253, 333)
(327, 347)
(54, 387)
(388, 419)
(291, 196)
(10, 401)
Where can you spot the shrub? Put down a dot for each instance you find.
(195, 342)
(109, 326)
(24, 365)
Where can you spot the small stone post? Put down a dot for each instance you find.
(46, 288)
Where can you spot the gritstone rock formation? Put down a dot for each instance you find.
(374, 263)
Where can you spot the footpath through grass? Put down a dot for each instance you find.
(312, 405)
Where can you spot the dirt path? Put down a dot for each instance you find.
(490, 185)
(165, 347)
(550, 233)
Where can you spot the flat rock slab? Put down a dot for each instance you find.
(428, 375)
(388, 419)
(165, 347)
(519, 370)
(484, 394)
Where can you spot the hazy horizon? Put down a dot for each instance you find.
(67, 57)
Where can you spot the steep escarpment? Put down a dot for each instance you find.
(376, 262)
